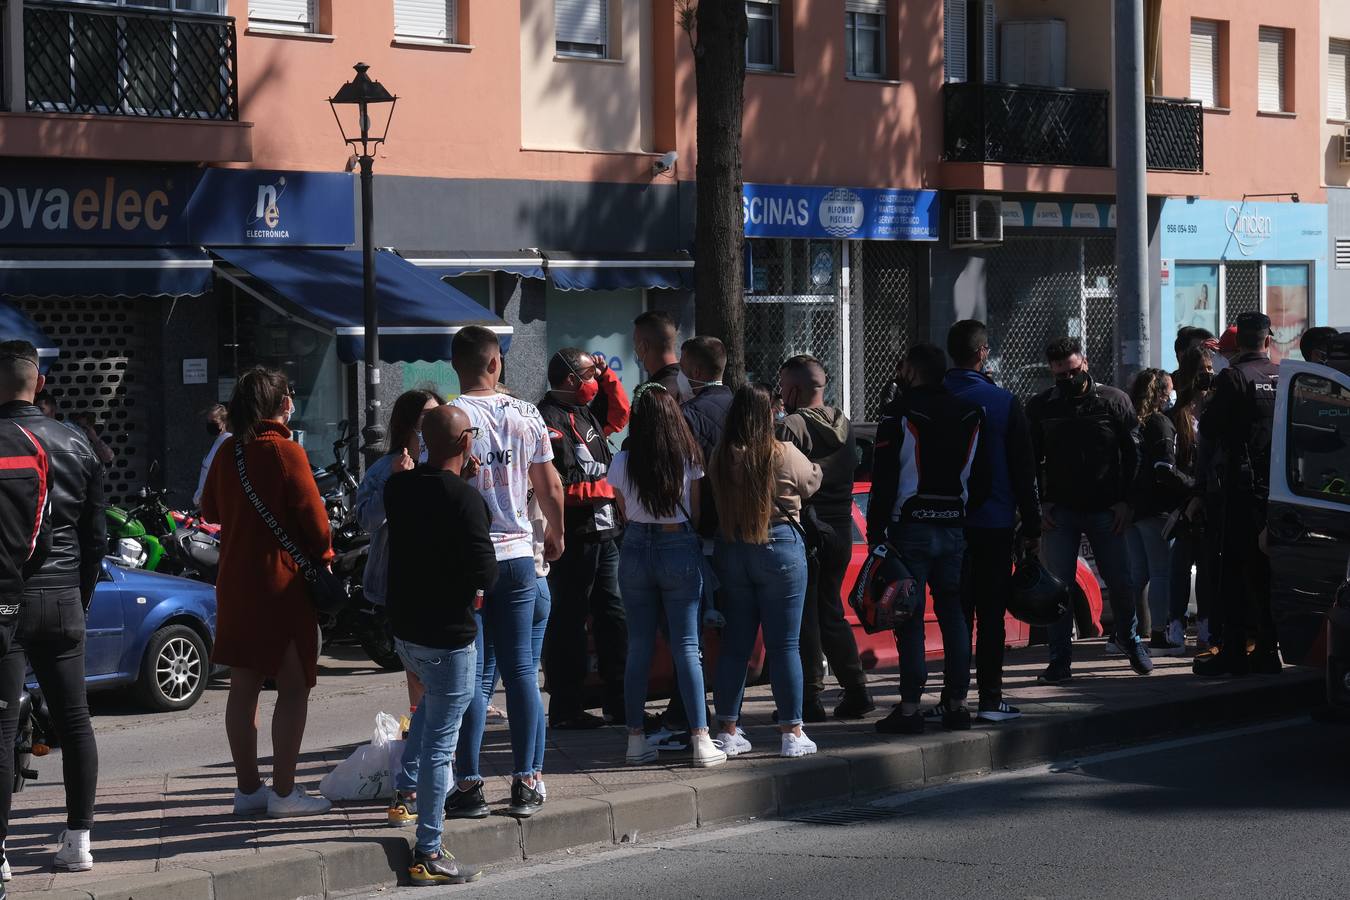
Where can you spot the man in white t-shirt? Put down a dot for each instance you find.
(512, 449)
(218, 430)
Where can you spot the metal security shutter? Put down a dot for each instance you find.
(1338, 79)
(1270, 70)
(582, 23)
(954, 33)
(432, 19)
(871, 7)
(883, 318)
(297, 15)
(1343, 253)
(1241, 290)
(990, 43)
(1205, 62)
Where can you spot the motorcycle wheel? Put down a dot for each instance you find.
(378, 643)
(23, 759)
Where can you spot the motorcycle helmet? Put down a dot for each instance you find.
(1038, 597)
(884, 595)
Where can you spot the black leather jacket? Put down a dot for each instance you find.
(75, 478)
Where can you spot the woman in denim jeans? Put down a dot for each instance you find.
(661, 562)
(760, 557)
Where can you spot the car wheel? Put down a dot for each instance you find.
(174, 671)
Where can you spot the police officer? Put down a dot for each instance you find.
(1239, 419)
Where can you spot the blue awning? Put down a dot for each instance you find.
(619, 271)
(105, 272)
(419, 313)
(15, 326)
(452, 264)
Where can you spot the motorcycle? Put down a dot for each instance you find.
(31, 736)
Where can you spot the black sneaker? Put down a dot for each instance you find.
(855, 705)
(1159, 645)
(582, 721)
(899, 723)
(525, 800)
(813, 711)
(1055, 673)
(1002, 711)
(1137, 653)
(437, 868)
(1265, 662)
(468, 804)
(956, 719)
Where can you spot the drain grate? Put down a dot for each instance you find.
(845, 817)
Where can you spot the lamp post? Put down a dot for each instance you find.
(359, 95)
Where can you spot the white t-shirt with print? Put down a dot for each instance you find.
(634, 510)
(512, 437)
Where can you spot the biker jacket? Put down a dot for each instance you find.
(79, 532)
(581, 453)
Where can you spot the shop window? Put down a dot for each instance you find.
(1272, 93)
(1338, 79)
(1319, 436)
(426, 20)
(865, 38)
(595, 321)
(582, 28)
(1287, 306)
(1195, 294)
(284, 15)
(762, 39)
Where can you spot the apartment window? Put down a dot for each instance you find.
(582, 28)
(954, 37)
(1205, 61)
(865, 38)
(1270, 94)
(282, 15)
(1338, 79)
(761, 43)
(1343, 253)
(431, 20)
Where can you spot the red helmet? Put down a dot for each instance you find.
(884, 596)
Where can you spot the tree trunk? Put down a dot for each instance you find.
(719, 235)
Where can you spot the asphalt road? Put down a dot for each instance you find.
(133, 743)
(1256, 813)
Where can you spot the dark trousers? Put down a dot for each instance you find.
(1244, 592)
(585, 585)
(986, 583)
(50, 630)
(825, 631)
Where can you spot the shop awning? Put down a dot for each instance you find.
(419, 313)
(619, 271)
(16, 326)
(155, 272)
(452, 264)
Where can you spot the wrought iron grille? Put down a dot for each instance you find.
(1175, 134)
(1241, 290)
(1006, 123)
(1039, 289)
(883, 310)
(125, 62)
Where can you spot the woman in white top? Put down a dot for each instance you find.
(661, 562)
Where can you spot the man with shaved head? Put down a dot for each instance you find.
(440, 559)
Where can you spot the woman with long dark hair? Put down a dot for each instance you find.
(661, 562)
(1190, 551)
(266, 624)
(760, 483)
(404, 450)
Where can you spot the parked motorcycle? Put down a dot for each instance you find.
(31, 736)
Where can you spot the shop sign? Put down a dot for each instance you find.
(194, 371)
(253, 208)
(804, 211)
(1234, 229)
(1044, 214)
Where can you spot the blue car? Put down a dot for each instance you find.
(151, 632)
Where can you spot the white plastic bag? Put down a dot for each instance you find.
(365, 774)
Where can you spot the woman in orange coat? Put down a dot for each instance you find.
(266, 624)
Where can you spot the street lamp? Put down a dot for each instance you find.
(358, 96)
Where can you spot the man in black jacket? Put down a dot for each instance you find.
(50, 629)
(440, 558)
(1239, 420)
(825, 435)
(1086, 440)
(654, 336)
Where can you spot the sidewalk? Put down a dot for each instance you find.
(173, 835)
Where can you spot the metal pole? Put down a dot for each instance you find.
(1131, 191)
(372, 434)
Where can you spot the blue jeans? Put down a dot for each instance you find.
(761, 584)
(1151, 567)
(448, 676)
(662, 569)
(1059, 554)
(507, 627)
(934, 554)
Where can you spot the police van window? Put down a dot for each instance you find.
(1319, 438)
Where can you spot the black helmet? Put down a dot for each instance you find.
(1038, 597)
(884, 596)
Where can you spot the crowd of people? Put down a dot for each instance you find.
(507, 534)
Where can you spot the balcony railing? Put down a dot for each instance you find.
(1175, 134)
(126, 62)
(1007, 123)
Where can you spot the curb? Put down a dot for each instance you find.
(836, 776)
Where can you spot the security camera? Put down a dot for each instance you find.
(665, 163)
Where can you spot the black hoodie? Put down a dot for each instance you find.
(825, 436)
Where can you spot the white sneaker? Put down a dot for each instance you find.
(254, 804)
(706, 753)
(299, 803)
(797, 746)
(639, 751)
(74, 855)
(539, 786)
(6, 874)
(733, 744)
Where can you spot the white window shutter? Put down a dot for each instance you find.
(582, 21)
(871, 7)
(1338, 79)
(1270, 70)
(431, 19)
(290, 13)
(990, 47)
(1205, 62)
(954, 33)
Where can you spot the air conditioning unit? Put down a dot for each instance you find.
(977, 219)
(1345, 146)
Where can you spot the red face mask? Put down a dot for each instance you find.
(587, 390)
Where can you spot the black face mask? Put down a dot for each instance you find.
(1074, 384)
(1204, 381)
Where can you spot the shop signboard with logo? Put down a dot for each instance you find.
(861, 214)
(250, 208)
(1227, 256)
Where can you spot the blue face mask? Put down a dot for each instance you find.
(1171, 401)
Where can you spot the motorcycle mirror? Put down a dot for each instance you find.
(154, 467)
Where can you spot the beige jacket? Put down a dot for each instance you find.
(797, 479)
